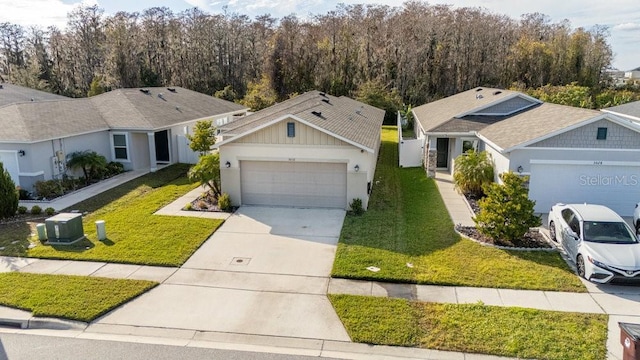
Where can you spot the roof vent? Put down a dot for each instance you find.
(479, 89)
(172, 89)
(1, 86)
(497, 92)
(323, 94)
(317, 113)
(31, 99)
(145, 91)
(161, 96)
(326, 100)
(479, 96)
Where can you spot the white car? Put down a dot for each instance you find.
(603, 246)
(636, 217)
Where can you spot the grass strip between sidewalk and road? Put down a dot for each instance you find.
(134, 234)
(68, 297)
(473, 328)
(407, 233)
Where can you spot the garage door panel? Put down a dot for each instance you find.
(297, 184)
(615, 186)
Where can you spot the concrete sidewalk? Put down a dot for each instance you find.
(455, 203)
(75, 197)
(212, 279)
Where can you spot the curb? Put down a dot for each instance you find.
(55, 324)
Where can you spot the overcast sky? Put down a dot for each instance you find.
(621, 16)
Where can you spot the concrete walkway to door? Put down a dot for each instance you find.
(265, 271)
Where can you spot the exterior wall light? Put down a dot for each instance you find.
(520, 169)
(22, 153)
(356, 168)
(227, 164)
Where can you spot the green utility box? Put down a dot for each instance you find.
(64, 228)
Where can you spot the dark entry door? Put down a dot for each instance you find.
(162, 146)
(442, 148)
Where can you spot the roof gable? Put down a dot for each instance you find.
(585, 136)
(348, 120)
(478, 101)
(536, 124)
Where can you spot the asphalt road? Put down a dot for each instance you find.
(30, 347)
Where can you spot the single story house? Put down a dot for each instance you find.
(630, 111)
(572, 155)
(140, 128)
(314, 150)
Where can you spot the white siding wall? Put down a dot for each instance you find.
(501, 162)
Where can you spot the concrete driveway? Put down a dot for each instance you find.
(264, 272)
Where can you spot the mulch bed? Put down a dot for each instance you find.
(533, 239)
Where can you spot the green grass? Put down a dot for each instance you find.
(134, 234)
(68, 297)
(407, 223)
(473, 328)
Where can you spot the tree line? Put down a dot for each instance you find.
(422, 51)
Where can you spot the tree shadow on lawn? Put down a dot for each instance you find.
(15, 236)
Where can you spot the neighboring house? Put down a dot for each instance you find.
(572, 155)
(141, 128)
(632, 76)
(314, 150)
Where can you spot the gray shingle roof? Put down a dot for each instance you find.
(534, 123)
(118, 109)
(436, 113)
(344, 117)
(630, 109)
(12, 94)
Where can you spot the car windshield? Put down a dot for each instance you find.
(608, 232)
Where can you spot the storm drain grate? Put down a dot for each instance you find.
(241, 261)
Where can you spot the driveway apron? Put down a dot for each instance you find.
(265, 271)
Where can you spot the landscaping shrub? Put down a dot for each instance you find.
(91, 163)
(36, 210)
(356, 207)
(506, 213)
(188, 207)
(8, 194)
(472, 171)
(207, 172)
(224, 202)
(24, 195)
(114, 168)
(49, 189)
(49, 211)
(22, 210)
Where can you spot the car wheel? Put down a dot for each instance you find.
(638, 228)
(552, 231)
(580, 266)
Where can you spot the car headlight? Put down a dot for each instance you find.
(597, 263)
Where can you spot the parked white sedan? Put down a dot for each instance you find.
(602, 244)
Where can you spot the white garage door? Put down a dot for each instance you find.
(614, 185)
(9, 161)
(297, 184)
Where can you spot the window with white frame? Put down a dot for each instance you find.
(120, 144)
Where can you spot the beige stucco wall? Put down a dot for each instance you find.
(352, 156)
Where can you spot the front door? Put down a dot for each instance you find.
(162, 146)
(442, 148)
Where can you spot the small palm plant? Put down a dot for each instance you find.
(472, 171)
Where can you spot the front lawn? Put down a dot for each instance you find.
(134, 234)
(474, 328)
(407, 233)
(69, 297)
